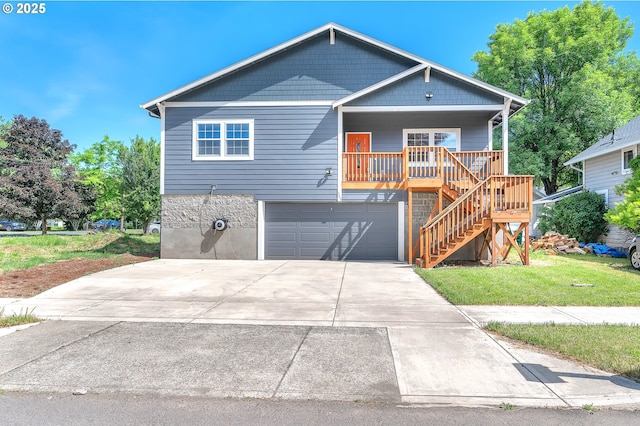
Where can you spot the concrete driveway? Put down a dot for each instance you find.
(283, 329)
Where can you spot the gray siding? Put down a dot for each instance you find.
(387, 127)
(599, 175)
(332, 231)
(314, 70)
(293, 146)
(374, 196)
(411, 91)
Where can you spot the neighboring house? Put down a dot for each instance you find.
(334, 145)
(605, 165)
(541, 201)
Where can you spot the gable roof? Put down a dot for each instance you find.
(517, 102)
(623, 137)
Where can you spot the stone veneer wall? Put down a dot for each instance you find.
(187, 231)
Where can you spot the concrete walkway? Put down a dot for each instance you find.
(290, 329)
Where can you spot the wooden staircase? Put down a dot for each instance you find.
(483, 201)
(486, 208)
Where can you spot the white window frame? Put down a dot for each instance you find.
(634, 150)
(195, 156)
(405, 135)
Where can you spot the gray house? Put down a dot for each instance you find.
(334, 145)
(605, 165)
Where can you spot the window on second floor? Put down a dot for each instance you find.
(222, 140)
(448, 138)
(628, 154)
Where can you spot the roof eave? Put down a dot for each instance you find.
(580, 157)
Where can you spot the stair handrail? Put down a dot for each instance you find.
(460, 165)
(440, 219)
(457, 202)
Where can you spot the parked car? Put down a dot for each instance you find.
(154, 228)
(634, 253)
(106, 224)
(10, 225)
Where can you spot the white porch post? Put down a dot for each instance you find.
(505, 134)
(340, 149)
(261, 230)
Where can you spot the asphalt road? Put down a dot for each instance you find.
(126, 409)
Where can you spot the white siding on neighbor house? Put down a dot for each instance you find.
(604, 173)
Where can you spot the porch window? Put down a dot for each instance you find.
(448, 138)
(627, 155)
(222, 140)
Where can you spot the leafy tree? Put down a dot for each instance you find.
(79, 206)
(101, 169)
(141, 180)
(36, 180)
(580, 216)
(626, 214)
(569, 63)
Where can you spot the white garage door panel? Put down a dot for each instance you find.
(334, 231)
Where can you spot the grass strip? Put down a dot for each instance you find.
(612, 348)
(573, 280)
(27, 252)
(25, 316)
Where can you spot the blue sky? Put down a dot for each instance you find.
(86, 66)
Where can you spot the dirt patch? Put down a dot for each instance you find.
(33, 281)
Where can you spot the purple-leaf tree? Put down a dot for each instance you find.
(36, 180)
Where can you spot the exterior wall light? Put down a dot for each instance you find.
(328, 171)
(429, 95)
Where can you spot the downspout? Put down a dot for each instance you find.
(505, 134)
(580, 173)
(161, 112)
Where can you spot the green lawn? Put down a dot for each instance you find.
(579, 280)
(27, 252)
(613, 348)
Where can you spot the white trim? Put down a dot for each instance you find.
(605, 195)
(261, 230)
(490, 135)
(317, 31)
(223, 146)
(401, 231)
(456, 130)
(634, 150)
(426, 108)
(246, 104)
(332, 36)
(379, 85)
(339, 153)
(162, 146)
(427, 74)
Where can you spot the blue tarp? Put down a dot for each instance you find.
(604, 249)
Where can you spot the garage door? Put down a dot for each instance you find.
(331, 231)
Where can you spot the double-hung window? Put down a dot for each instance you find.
(628, 154)
(222, 140)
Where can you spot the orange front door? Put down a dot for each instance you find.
(358, 165)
